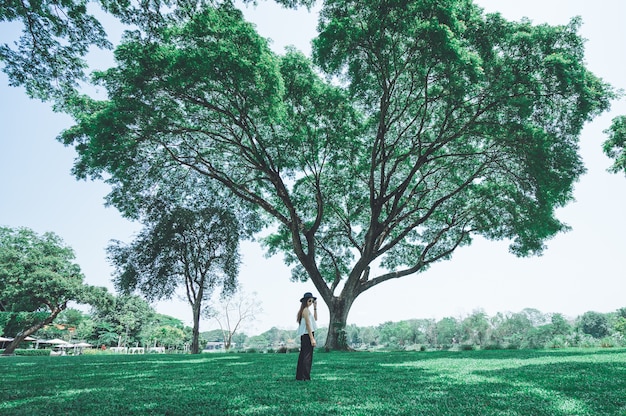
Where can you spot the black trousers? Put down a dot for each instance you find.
(305, 359)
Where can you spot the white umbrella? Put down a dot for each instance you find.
(53, 341)
(83, 345)
(3, 339)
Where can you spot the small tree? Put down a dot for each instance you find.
(233, 313)
(194, 248)
(38, 277)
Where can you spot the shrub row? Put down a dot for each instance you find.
(29, 352)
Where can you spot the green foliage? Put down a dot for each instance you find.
(48, 59)
(179, 247)
(38, 277)
(122, 321)
(558, 341)
(615, 146)
(564, 382)
(608, 342)
(594, 323)
(29, 352)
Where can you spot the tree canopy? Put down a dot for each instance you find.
(48, 59)
(38, 276)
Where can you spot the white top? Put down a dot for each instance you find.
(302, 328)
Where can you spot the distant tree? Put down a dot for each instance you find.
(104, 333)
(448, 331)
(538, 336)
(233, 312)
(38, 276)
(353, 335)
(196, 249)
(415, 127)
(476, 328)
(258, 342)
(369, 335)
(535, 316)
(593, 323)
(121, 321)
(69, 324)
(171, 337)
(511, 328)
(560, 325)
(386, 332)
(619, 324)
(615, 146)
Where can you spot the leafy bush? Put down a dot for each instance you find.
(607, 342)
(493, 346)
(587, 341)
(29, 352)
(557, 342)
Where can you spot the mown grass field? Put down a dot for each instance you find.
(559, 382)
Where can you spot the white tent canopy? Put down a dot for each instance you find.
(7, 339)
(54, 341)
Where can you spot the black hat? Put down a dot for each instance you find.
(307, 295)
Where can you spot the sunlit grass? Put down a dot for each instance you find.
(561, 382)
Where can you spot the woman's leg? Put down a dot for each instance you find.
(305, 359)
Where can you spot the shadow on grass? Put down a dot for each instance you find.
(580, 382)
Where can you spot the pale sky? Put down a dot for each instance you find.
(581, 270)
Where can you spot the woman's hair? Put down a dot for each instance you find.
(303, 306)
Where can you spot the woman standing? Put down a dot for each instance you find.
(306, 332)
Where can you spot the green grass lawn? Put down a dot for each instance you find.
(559, 382)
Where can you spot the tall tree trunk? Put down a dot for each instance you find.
(338, 309)
(195, 339)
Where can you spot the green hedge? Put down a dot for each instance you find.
(29, 352)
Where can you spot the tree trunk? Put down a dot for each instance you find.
(338, 309)
(10, 349)
(195, 339)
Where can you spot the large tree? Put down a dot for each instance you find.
(416, 126)
(38, 277)
(197, 249)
